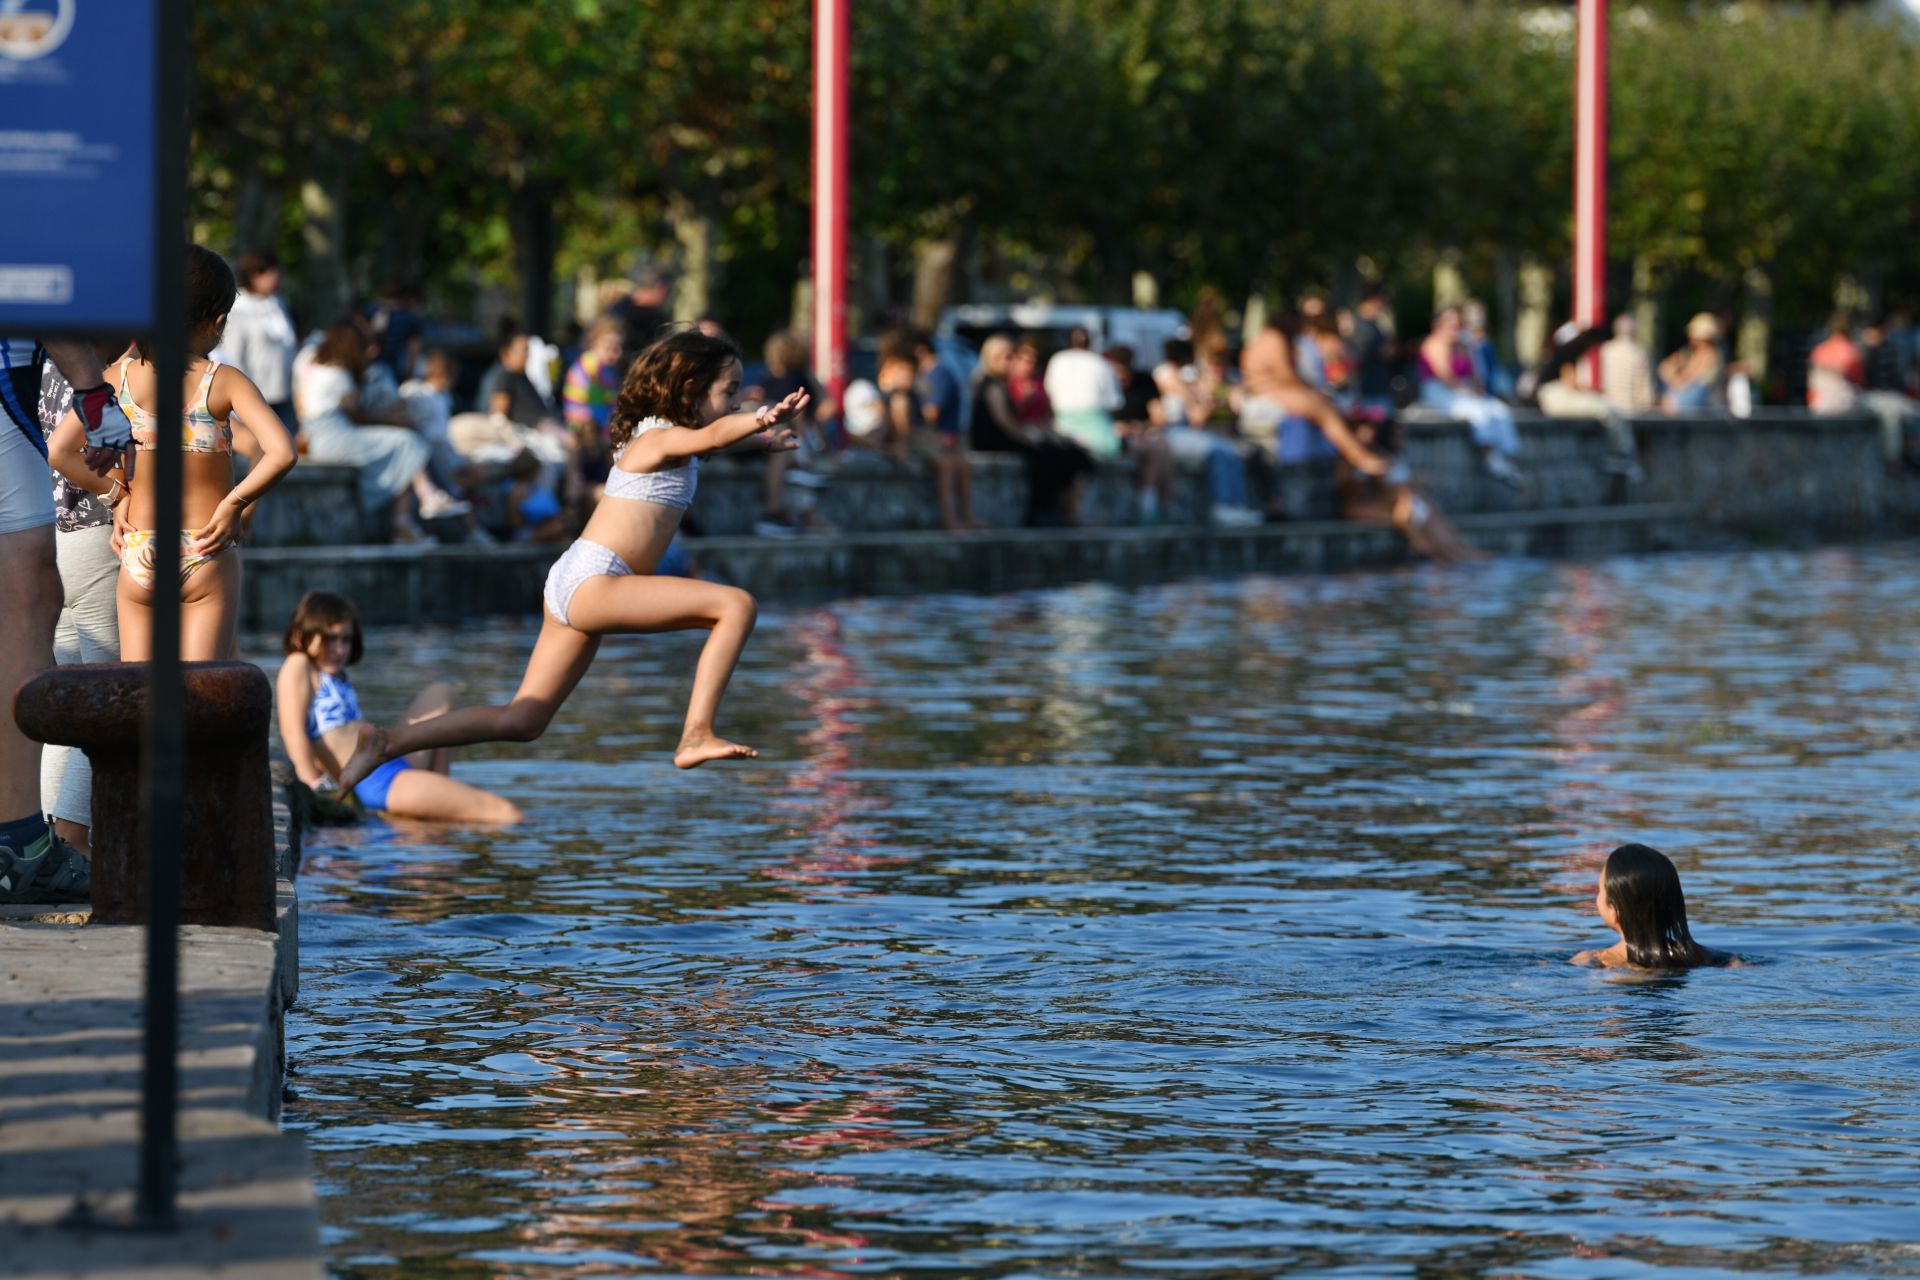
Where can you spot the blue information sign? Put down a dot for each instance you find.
(76, 165)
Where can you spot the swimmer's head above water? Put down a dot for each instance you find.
(1639, 898)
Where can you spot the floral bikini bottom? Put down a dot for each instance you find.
(136, 556)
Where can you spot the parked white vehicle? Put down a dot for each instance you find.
(1143, 331)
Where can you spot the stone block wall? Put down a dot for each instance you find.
(317, 504)
(1783, 472)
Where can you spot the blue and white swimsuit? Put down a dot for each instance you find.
(334, 704)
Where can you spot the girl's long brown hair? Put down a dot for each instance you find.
(669, 380)
(317, 611)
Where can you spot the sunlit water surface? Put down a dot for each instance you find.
(1213, 929)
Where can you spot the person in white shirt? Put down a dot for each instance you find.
(1084, 393)
(260, 340)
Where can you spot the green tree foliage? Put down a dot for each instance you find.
(1236, 142)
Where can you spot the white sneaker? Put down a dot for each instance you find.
(1502, 468)
(1224, 516)
(440, 505)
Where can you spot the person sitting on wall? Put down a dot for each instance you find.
(1372, 487)
(908, 433)
(1013, 418)
(1142, 436)
(1449, 385)
(1693, 374)
(1558, 389)
(790, 486)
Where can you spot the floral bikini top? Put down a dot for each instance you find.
(200, 431)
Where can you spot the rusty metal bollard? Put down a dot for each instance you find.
(226, 868)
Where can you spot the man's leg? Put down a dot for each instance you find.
(34, 867)
(29, 608)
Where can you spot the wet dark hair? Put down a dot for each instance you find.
(317, 611)
(1644, 891)
(211, 287)
(669, 379)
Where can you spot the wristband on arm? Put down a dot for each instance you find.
(106, 423)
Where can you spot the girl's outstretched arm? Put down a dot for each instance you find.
(653, 450)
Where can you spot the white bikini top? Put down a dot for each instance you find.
(671, 488)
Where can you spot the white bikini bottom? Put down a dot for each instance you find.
(582, 560)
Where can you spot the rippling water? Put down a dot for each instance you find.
(1215, 929)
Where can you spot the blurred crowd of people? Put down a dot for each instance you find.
(525, 455)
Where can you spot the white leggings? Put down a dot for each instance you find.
(88, 631)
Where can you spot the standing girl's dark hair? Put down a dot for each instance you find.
(1644, 890)
(211, 289)
(669, 379)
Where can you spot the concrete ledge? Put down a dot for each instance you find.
(412, 584)
(71, 1007)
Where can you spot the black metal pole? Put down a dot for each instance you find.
(163, 751)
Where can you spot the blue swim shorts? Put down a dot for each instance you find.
(372, 791)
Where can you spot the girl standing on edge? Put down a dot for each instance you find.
(679, 403)
(1639, 898)
(225, 414)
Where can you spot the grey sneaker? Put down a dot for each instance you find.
(52, 871)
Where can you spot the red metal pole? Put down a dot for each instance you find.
(830, 194)
(1590, 174)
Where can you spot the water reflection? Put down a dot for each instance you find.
(1216, 927)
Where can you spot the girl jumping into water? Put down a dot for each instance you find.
(1639, 898)
(679, 402)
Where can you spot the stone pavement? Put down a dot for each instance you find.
(71, 1001)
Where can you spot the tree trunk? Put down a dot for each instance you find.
(1254, 318)
(1756, 322)
(870, 295)
(1533, 314)
(933, 278)
(694, 290)
(531, 222)
(403, 245)
(1648, 289)
(800, 320)
(256, 215)
(324, 288)
(1146, 291)
(1449, 280)
(1506, 306)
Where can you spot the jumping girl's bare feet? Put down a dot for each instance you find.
(698, 748)
(366, 757)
